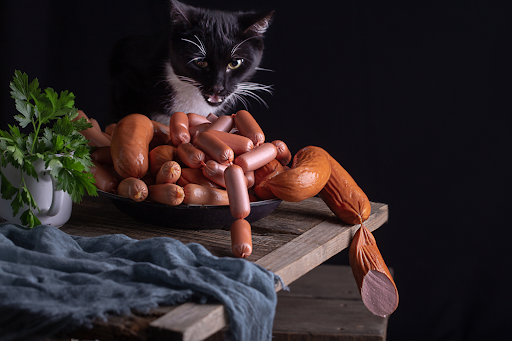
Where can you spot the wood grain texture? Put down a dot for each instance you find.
(307, 251)
(325, 305)
(292, 241)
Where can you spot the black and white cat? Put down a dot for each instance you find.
(201, 63)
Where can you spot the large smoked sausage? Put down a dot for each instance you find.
(130, 145)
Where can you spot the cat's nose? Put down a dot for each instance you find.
(217, 89)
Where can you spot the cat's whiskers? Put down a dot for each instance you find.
(262, 69)
(200, 46)
(233, 50)
(248, 89)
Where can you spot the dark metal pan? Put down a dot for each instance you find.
(191, 217)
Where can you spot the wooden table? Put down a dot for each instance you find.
(294, 239)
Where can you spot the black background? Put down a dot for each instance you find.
(413, 99)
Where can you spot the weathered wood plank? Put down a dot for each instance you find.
(303, 253)
(189, 322)
(325, 305)
(317, 245)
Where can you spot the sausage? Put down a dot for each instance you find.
(95, 124)
(344, 197)
(195, 119)
(261, 175)
(374, 281)
(249, 177)
(170, 172)
(214, 171)
(223, 123)
(310, 172)
(240, 144)
(195, 176)
(161, 134)
(160, 155)
(241, 238)
(195, 130)
(283, 153)
(133, 188)
(105, 180)
(236, 186)
(178, 128)
(215, 148)
(200, 195)
(248, 127)
(169, 194)
(103, 155)
(257, 157)
(94, 135)
(130, 145)
(212, 117)
(110, 128)
(190, 155)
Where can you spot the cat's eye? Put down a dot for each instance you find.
(235, 63)
(201, 63)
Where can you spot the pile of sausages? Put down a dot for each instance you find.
(194, 160)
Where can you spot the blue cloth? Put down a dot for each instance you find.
(51, 281)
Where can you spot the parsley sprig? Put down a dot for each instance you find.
(64, 150)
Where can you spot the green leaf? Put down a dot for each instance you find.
(7, 189)
(29, 219)
(19, 86)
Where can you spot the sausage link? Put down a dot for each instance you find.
(105, 180)
(195, 176)
(240, 144)
(236, 186)
(133, 188)
(160, 155)
(178, 128)
(241, 238)
(195, 119)
(94, 135)
(200, 195)
(310, 172)
(110, 128)
(257, 157)
(344, 197)
(170, 172)
(130, 145)
(283, 153)
(190, 155)
(212, 117)
(248, 127)
(161, 134)
(169, 194)
(223, 123)
(215, 172)
(103, 155)
(214, 147)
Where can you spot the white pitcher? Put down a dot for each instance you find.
(55, 206)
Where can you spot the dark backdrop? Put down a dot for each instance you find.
(414, 100)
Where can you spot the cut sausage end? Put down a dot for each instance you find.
(242, 250)
(379, 294)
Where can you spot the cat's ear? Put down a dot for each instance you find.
(179, 12)
(256, 23)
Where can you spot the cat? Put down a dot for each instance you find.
(201, 63)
